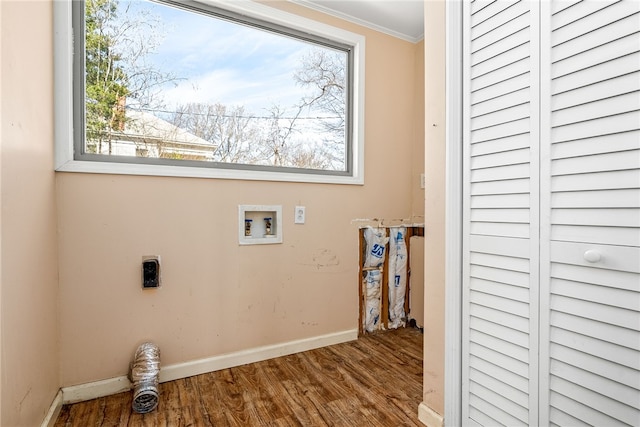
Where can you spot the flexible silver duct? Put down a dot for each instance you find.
(144, 376)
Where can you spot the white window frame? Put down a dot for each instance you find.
(63, 102)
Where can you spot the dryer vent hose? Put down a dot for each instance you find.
(145, 369)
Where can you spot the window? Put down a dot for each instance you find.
(236, 90)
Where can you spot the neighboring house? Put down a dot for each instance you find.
(145, 135)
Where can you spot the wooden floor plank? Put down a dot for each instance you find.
(375, 380)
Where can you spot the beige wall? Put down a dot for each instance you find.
(28, 279)
(417, 196)
(218, 297)
(434, 76)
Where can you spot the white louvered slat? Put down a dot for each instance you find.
(596, 383)
(502, 130)
(502, 46)
(559, 6)
(514, 142)
(619, 67)
(507, 172)
(517, 248)
(597, 55)
(613, 297)
(511, 393)
(508, 100)
(500, 229)
(613, 218)
(558, 418)
(505, 411)
(594, 110)
(605, 350)
(595, 365)
(589, 22)
(510, 27)
(502, 346)
(624, 141)
(501, 215)
(478, 5)
(597, 91)
(624, 236)
(499, 303)
(607, 180)
(607, 323)
(617, 161)
(494, 16)
(585, 414)
(500, 317)
(512, 335)
(500, 159)
(513, 366)
(514, 55)
(505, 115)
(606, 34)
(512, 186)
(507, 201)
(501, 291)
(617, 412)
(620, 123)
(628, 198)
(497, 261)
(516, 83)
(577, 12)
(499, 371)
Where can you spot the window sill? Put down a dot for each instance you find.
(194, 172)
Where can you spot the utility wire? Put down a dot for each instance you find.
(150, 110)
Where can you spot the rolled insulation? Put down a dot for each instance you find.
(373, 281)
(145, 369)
(397, 276)
(376, 239)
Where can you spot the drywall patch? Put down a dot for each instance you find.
(322, 259)
(325, 258)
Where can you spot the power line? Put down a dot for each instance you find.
(150, 110)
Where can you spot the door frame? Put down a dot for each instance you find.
(453, 221)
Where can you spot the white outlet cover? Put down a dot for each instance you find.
(299, 215)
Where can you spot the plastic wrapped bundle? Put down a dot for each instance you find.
(397, 276)
(373, 281)
(145, 369)
(376, 239)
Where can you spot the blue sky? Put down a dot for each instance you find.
(223, 62)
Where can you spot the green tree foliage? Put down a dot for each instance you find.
(106, 80)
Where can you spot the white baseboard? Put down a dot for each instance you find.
(54, 411)
(88, 391)
(116, 385)
(429, 417)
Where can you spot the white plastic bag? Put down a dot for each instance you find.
(372, 288)
(376, 239)
(397, 276)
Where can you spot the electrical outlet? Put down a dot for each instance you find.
(299, 215)
(150, 272)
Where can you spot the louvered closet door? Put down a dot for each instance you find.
(591, 206)
(551, 220)
(500, 221)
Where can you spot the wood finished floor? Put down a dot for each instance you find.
(374, 381)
